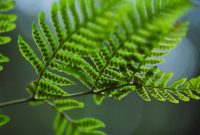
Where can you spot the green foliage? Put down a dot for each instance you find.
(68, 104)
(157, 86)
(80, 36)
(6, 25)
(85, 126)
(3, 120)
(60, 124)
(111, 46)
(111, 49)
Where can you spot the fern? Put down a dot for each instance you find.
(113, 48)
(81, 36)
(6, 25)
(157, 86)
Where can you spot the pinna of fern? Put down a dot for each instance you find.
(6, 25)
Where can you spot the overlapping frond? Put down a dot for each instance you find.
(6, 25)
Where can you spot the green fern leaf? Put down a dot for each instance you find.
(72, 71)
(6, 5)
(157, 86)
(60, 124)
(57, 79)
(47, 33)
(41, 44)
(6, 27)
(122, 92)
(82, 36)
(143, 94)
(176, 85)
(3, 58)
(4, 40)
(48, 90)
(89, 123)
(63, 124)
(68, 104)
(29, 55)
(165, 93)
(134, 52)
(76, 61)
(4, 120)
(188, 91)
(98, 99)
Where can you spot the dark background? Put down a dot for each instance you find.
(131, 116)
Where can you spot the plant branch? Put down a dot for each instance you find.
(79, 94)
(15, 102)
(24, 100)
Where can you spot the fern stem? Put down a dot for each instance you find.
(25, 100)
(80, 94)
(77, 94)
(15, 102)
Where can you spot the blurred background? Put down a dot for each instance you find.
(131, 116)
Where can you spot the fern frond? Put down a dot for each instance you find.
(110, 46)
(134, 52)
(6, 25)
(83, 33)
(182, 89)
